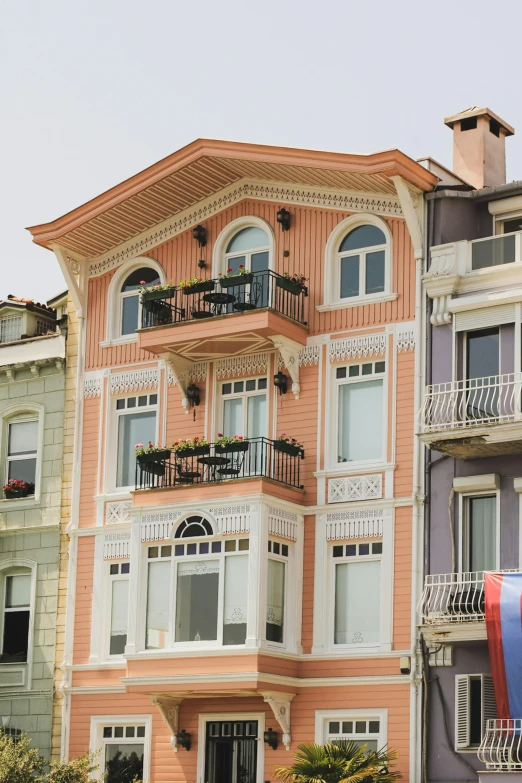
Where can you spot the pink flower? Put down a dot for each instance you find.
(142, 282)
(220, 434)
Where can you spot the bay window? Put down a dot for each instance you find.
(136, 423)
(360, 404)
(357, 591)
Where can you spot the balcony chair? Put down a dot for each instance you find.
(185, 473)
(250, 299)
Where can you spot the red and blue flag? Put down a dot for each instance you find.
(503, 598)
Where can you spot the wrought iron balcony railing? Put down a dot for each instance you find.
(225, 296)
(472, 403)
(501, 746)
(253, 458)
(453, 598)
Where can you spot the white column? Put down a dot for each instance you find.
(257, 575)
(320, 591)
(134, 586)
(98, 591)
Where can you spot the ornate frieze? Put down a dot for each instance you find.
(92, 384)
(406, 337)
(363, 523)
(248, 364)
(116, 545)
(282, 523)
(133, 380)
(232, 519)
(357, 347)
(309, 355)
(342, 490)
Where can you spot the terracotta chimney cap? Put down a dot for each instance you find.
(477, 111)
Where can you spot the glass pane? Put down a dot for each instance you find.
(360, 421)
(375, 272)
(16, 636)
(158, 591)
(357, 603)
(349, 276)
(23, 437)
(11, 328)
(197, 601)
(233, 417)
(256, 416)
(483, 353)
(236, 600)
(259, 262)
(370, 744)
(515, 224)
(275, 602)
(145, 274)
(17, 590)
(260, 290)
(119, 616)
(493, 252)
(248, 239)
(23, 469)
(234, 263)
(482, 534)
(362, 236)
(129, 314)
(132, 428)
(123, 763)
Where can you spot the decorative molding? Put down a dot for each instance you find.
(352, 202)
(342, 490)
(249, 364)
(92, 384)
(169, 709)
(309, 355)
(133, 380)
(178, 370)
(280, 704)
(290, 352)
(357, 347)
(364, 523)
(405, 334)
(116, 545)
(232, 520)
(282, 523)
(116, 512)
(196, 372)
(157, 526)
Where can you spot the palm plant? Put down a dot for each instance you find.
(343, 761)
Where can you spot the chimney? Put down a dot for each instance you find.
(479, 146)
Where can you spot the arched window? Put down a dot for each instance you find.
(249, 247)
(130, 308)
(194, 527)
(362, 262)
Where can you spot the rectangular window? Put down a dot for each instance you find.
(360, 412)
(10, 328)
(480, 534)
(236, 600)
(119, 607)
(474, 706)
(133, 427)
(158, 604)
(275, 602)
(357, 602)
(245, 407)
(22, 445)
(362, 731)
(123, 752)
(17, 612)
(197, 601)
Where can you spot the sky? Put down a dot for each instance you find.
(94, 91)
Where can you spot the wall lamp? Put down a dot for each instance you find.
(193, 395)
(283, 218)
(200, 235)
(281, 382)
(270, 738)
(183, 739)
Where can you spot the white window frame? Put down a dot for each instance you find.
(97, 742)
(22, 412)
(220, 400)
(16, 458)
(114, 301)
(323, 717)
(333, 428)
(219, 254)
(106, 619)
(462, 708)
(463, 507)
(287, 609)
(11, 568)
(8, 320)
(111, 442)
(205, 718)
(332, 267)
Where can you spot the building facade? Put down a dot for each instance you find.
(231, 597)
(32, 352)
(470, 421)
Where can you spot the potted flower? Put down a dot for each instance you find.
(227, 444)
(17, 488)
(159, 291)
(238, 277)
(293, 283)
(150, 453)
(195, 285)
(288, 445)
(195, 447)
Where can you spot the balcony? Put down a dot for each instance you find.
(480, 417)
(257, 458)
(501, 746)
(220, 318)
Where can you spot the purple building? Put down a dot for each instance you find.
(471, 424)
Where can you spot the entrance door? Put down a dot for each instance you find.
(231, 752)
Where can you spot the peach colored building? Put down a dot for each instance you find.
(221, 591)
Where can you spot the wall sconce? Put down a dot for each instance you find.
(183, 739)
(283, 218)
(200, 235)
(270, 738)
(202, 263)
(193, 395)
(281, 382)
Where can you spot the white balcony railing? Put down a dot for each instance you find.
(454, 598)
(472, 403)
(501, 746)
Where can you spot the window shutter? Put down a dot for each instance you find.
(462, 739)
(485, 317)
(489, 705)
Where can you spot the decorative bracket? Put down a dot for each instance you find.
(70, 268)
(180, 369)
(289, 351)
(169, 709)
(280, 704)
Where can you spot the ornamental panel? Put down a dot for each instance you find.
(364, 523)
(406, 337)
(282, 523)
(117, 512)
(157, 526)
(116, 545)
(357, 347)
(232, 519)
(134, 380)
(92, 384)
(250, 364)
(342, 490)
(309, 355)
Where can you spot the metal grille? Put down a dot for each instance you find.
(10, 328)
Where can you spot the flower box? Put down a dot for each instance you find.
(153, 456)
(197, 288)
(287, 448)
(195, 451)
(234, 280)
(231, 448)
(289, 285)
(11, 494)
(152, 296)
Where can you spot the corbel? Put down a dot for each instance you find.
(411, 206)
(280, 705)
(10, 373)
(70, 267)
(169, 710)
(180, 369)
(289, 350)
(35, 370)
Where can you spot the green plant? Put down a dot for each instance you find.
(343, 761)
(183, 445)
(295, 278)
(224, 440)
(140, 449)
(235, 273)
(292, 441)
(190, 282)
(19, 763)
(76, 770)
(143, 288)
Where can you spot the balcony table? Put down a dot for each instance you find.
(219, 301)
(213, 464)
